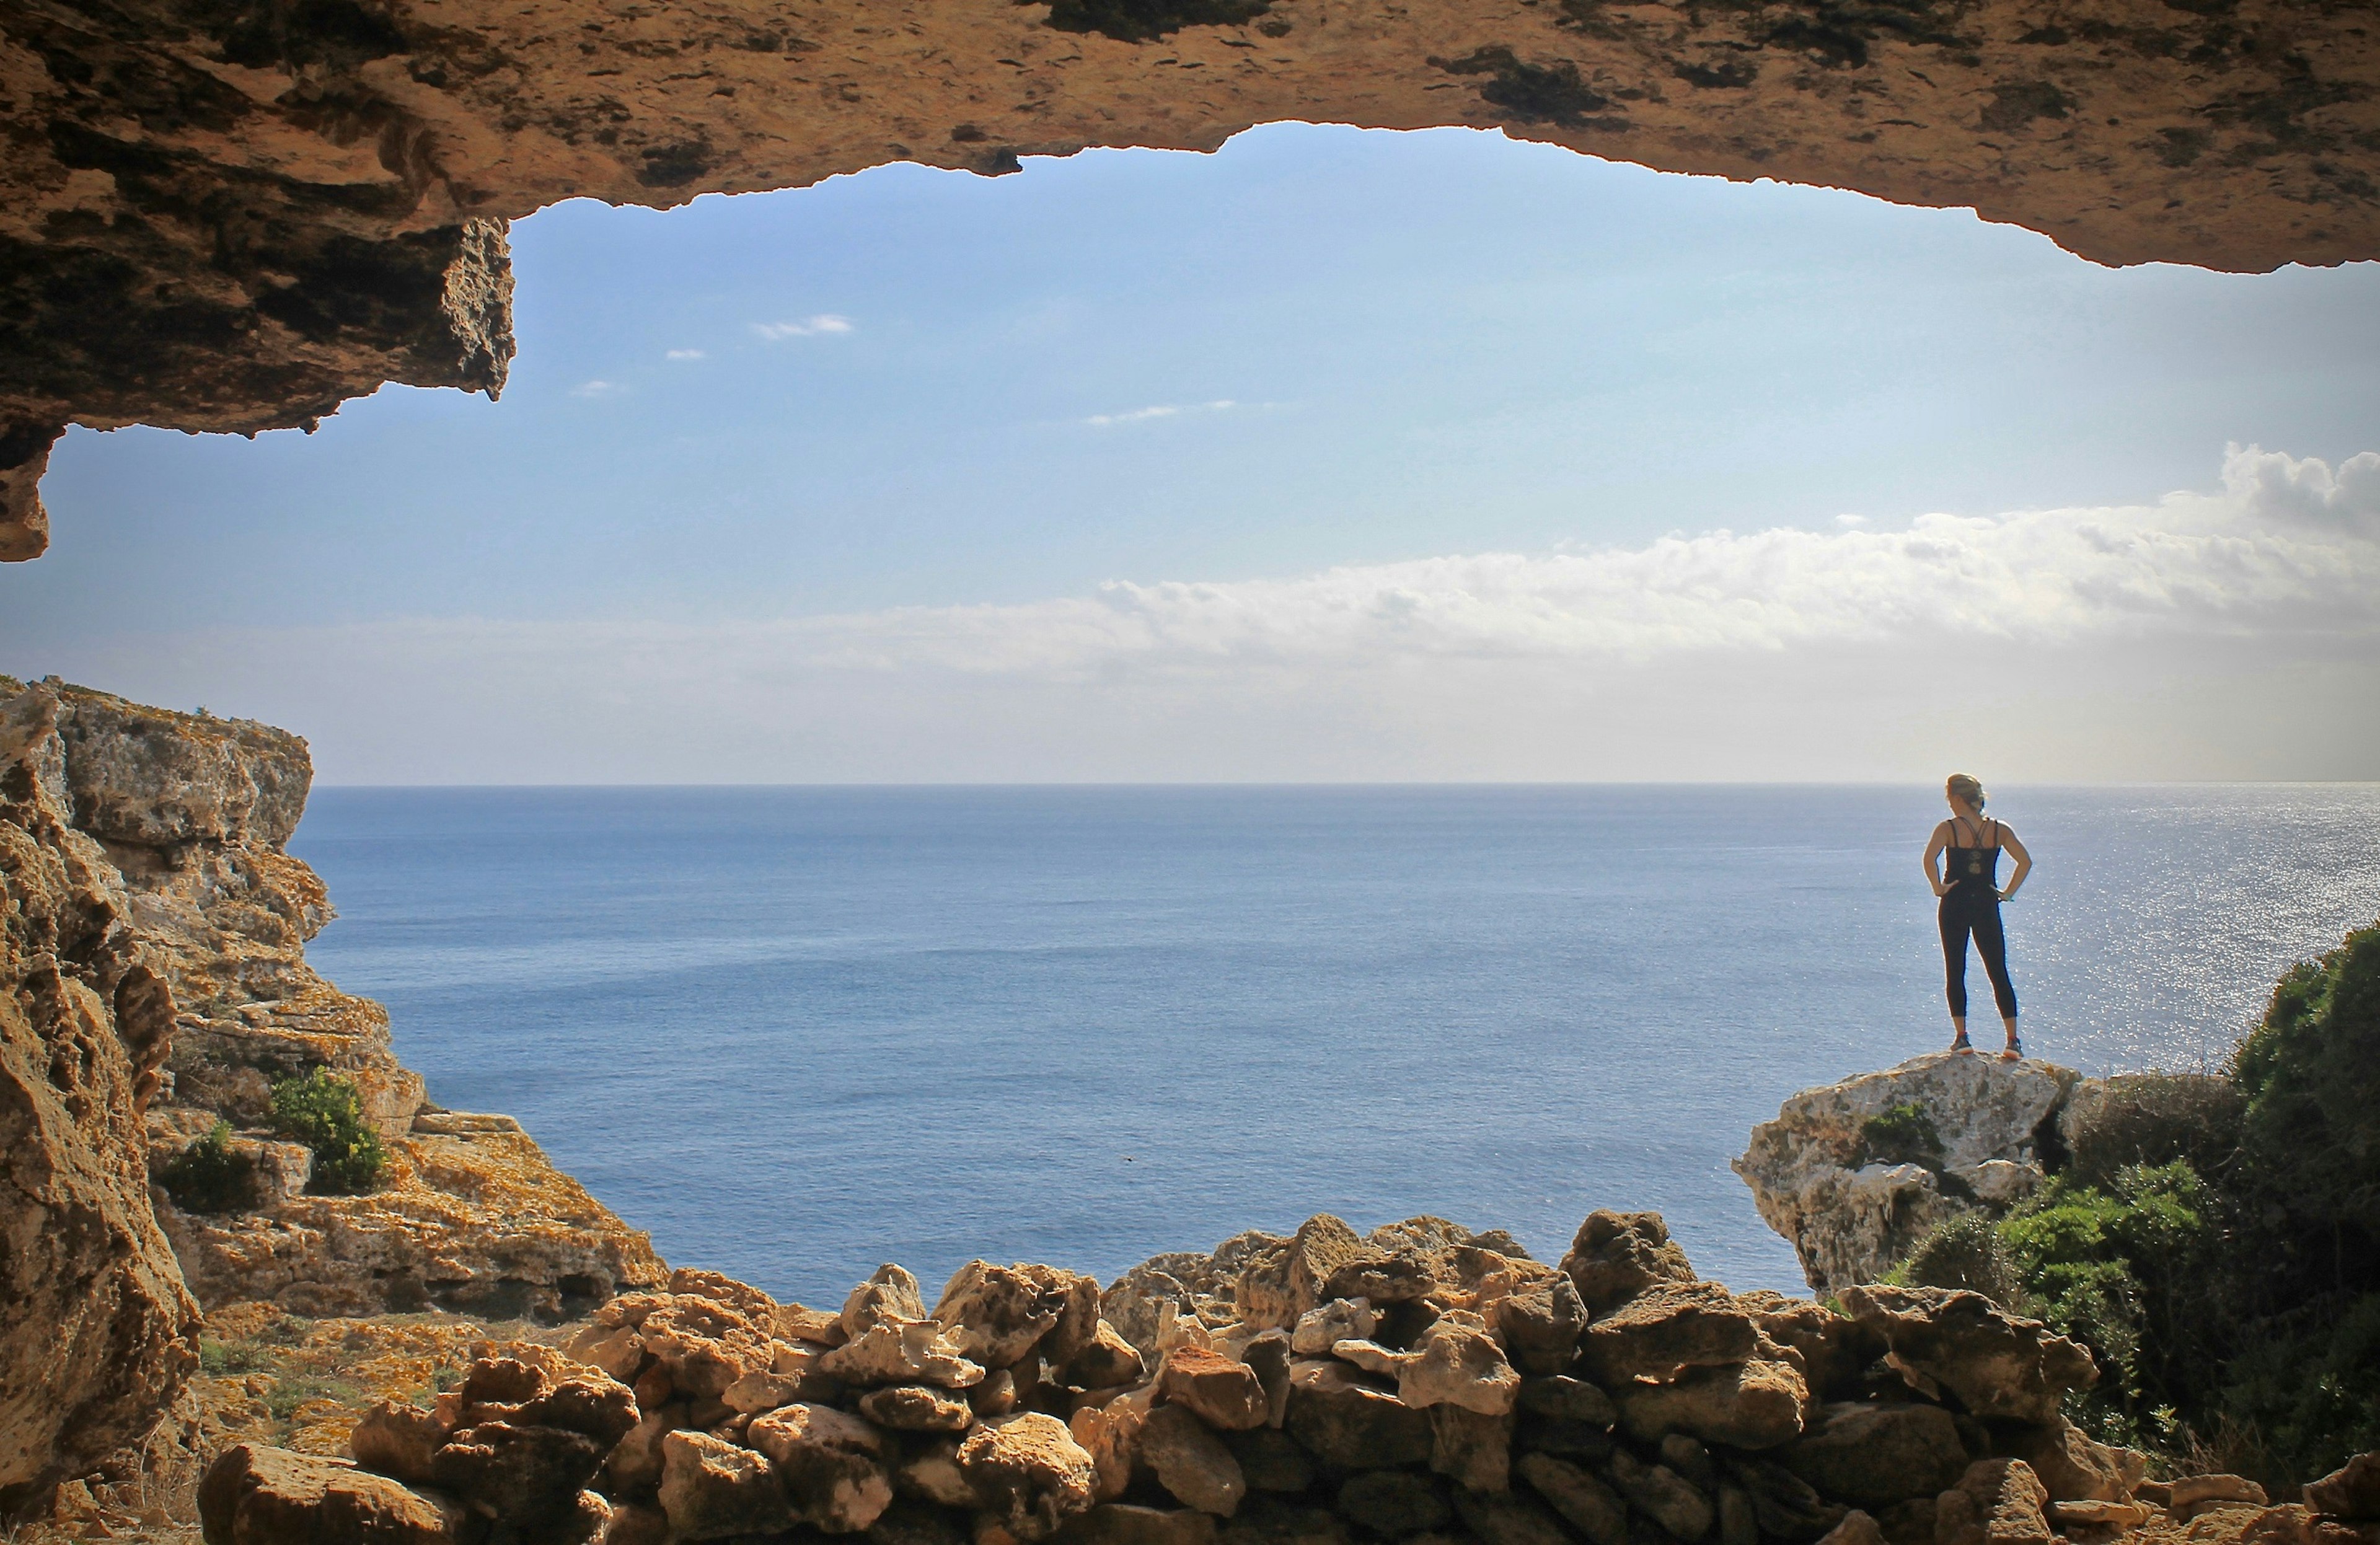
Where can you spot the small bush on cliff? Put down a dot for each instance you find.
(1902, 1134)
(1965, 1252)
(2156, 1118)
(208, 1177)
(2310, 1078)
(323, 1111)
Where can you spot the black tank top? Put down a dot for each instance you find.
(1973, 868)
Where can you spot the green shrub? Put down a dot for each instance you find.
(208, 1177)
(2309, 1384)
(2156, 1118)
(323, 1111)
(1902, 1134)
(1965, 1252)
(2311, 1075)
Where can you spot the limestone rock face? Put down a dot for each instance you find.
(153, 981)
(99, 1331)
(191, 814)
(1853, 1183)
(370, 155)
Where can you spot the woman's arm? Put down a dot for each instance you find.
(1933, 851)
(2023, 862)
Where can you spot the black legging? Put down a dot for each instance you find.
(1975, 909)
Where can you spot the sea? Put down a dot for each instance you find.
(795, 1032)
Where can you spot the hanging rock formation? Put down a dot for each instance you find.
(235, 218)
(1854, 1174)
(153, 983)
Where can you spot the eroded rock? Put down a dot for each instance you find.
(254, 1495)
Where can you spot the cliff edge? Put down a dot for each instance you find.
(1854, 1174)
(152, 985)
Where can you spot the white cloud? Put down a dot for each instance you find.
(2277, 486)
(1162, 410)
(824, 324)
(2207, 635)
(599, 389)
(685, 354)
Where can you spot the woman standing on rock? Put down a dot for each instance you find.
(1968, 883)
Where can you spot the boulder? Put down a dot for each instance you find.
(1133, 1304)
(1110, 1434)
(916, 1408)
(1379, 1277)
(1874, 1455)
(1664, 1496)
(1784, 1505)
(1345, 1422)
(1224, 1394)
(1105, 1360)
(1472, 1449)
(255, 1495)
(1564, 1398)
(1268, 1354)
(1029, 1474)
(1458, 1363)
(1592, 1508)
(1616, 1255)
(817, 1327)
(2196, 1490)
(1854, 1193)
(703, 1345)
(1325, 1325)
(889, 1293)
(1271, 1461)
(1508, 1518)
(1191, 1463)
(1748, 1405)
(635, 1465)
(396, 1440)
(930, 1472)
(1371, 1356)
(1857, 1529)
(2072, 1466)
(1963, 1345)
(2351, 1491)
(1997, 1502)
(526, 1475)
(1541, 1324)
(2121, 1517)
(1836, 1352)
(713, 1488)
(831, 1464)
(890, 1350)
(1668, 1328)
(1394, 1503)
(1128, 1524)
(997, 1314)
(1282, 1281)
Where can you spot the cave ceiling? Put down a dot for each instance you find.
(235, 214)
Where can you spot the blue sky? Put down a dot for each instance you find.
(907, 393)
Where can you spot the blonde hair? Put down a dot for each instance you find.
(1962, 786)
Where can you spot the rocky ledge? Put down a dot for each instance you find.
(152, 984)
(1419, 1382)
(1854, 1174)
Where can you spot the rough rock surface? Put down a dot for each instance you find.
(232, 217)
(1853, 1192)
(153, 981)
(719, 1423)
(98, 1330)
